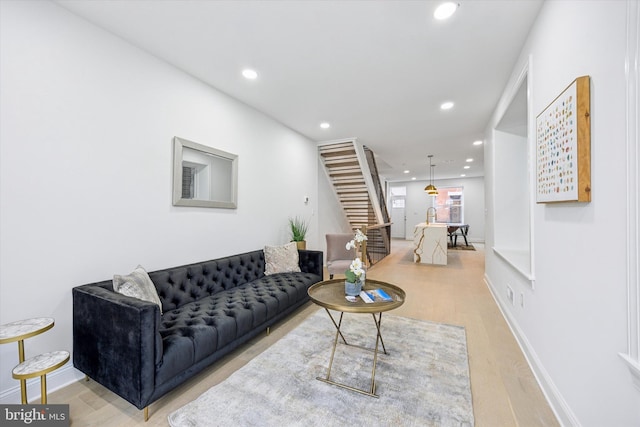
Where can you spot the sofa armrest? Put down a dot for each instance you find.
(311, 262)
(116, 341)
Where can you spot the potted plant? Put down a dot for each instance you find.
(355, 274)
(354, 277)
(299, 229)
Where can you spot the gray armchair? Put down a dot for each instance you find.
(338, 256)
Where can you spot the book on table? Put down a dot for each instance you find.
(375, 295)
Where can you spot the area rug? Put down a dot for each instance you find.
(461, 247)
(422, 381)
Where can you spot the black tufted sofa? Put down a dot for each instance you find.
(209, 309)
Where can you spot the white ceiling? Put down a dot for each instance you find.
(375, 70)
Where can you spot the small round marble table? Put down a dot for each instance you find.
(39, 366)
(19, 331)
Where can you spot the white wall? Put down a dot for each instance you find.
(86, 157)
(417, 203)
(574, 321)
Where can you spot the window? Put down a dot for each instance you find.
(398, 196)
(397, 202)
(449, 204)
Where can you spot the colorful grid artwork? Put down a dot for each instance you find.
(558, 149)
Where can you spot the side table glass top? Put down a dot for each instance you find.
(330, 294)
(23, 329)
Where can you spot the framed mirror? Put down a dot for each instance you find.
(204, 176)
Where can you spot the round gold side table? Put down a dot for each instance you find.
(20, 331)
(331, 296)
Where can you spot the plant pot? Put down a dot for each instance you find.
(302, 244)
(352, 289)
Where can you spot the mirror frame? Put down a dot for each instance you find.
(178, 145)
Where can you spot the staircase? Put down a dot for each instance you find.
(354, 175)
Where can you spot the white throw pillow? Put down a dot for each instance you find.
(281, 259)
(137, 284)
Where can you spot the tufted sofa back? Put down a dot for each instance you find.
(181, 285)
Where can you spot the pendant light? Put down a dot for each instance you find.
(431, 189)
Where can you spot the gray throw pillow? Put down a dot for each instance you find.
(281, 259)
(137, 284)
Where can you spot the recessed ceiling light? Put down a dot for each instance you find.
(407, 171)
(446, 105)
(445, 10)
(478, 142)
(463, 174)
(467, 167)
(249, 74)
(413, 178)
(325, 125)
(469, 160)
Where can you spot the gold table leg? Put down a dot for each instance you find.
(372, 390)
(43, 389)
(375, 352)
(23, 383)
(336, 324)
(335, 342)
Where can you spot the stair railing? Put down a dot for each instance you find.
(378, 245)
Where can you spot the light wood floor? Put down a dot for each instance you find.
(504, 390)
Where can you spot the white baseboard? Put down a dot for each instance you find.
(561, 409)
(55, 380)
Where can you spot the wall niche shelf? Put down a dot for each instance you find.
(519, 259)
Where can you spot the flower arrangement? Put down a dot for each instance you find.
(355, 272)
(359, 237)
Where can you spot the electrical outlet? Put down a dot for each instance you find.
(510, 294)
